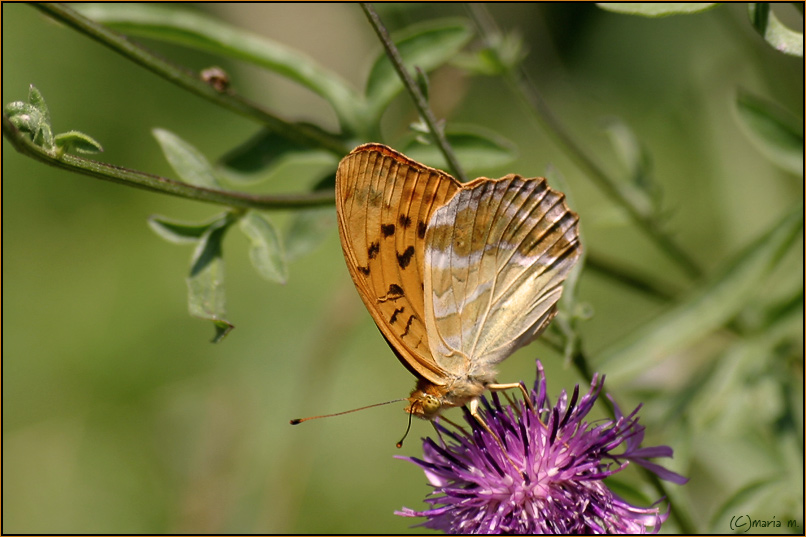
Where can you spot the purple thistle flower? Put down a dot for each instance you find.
(561, 462)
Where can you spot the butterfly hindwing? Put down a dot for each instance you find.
(384, 201)
(496, 256)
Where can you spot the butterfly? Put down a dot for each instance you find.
(456, 276)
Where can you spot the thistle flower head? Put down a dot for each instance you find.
(550, 480)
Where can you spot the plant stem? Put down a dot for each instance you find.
(155, 183)
(303, 134)
(419, 100)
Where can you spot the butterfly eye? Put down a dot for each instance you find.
(431, 404)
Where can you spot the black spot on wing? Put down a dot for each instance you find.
(405, 258)
(373, 250)
(395, 313)
(404, 220)
(388, 230)
(395, 291)
(408, 325)
(363, 270)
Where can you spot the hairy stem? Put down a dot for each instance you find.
(155, 183)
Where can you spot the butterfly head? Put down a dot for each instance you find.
(426, 400)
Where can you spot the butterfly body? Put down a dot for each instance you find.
(456, 276)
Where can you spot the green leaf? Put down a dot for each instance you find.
(656, 9)
(706, 309)
(36, 100)
(29, 120)
(266, 252)
(26, 117)
(773, 31)
(641, 189)
(191, 28)
(309, 227)
(259, 156)
(188, 163)
(180, 232)
(206, 296)
(501, 54)
(426, 46)
(739, 500)
(475, 148)
(78, 142)
(776, 133)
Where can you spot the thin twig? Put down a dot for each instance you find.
(155, 183)
(419, 100)
(303, 134)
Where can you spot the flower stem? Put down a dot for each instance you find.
(419, 100)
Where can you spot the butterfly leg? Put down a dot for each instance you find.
(510, 386)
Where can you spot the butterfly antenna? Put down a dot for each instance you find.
(408, 428)
(300, 420)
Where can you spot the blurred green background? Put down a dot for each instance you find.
(119, 416)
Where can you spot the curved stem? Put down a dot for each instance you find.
(155, 183)
(227, 98)
(414, 91)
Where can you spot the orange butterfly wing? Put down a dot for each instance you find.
(384, 202)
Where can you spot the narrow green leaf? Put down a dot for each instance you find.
(188, 163)
(706, 309)
(266, 252)
(773, 31)
(426, 46)
(776, 133)
(474, 147)
(78, 142)
(191, 28)
(36, 100)
(179, 232)
(656, 9)
(206, 294)
(641, 189)
(309, 227)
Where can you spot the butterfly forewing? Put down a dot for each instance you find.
(496, 255)
(384, 202)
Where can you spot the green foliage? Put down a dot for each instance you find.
(78, 142)
(206, 297)
(33, 119)
(761, 17)
(428, 46)
(118, 406)
(656, 9)
(266, 252)
(776, 34)
(777, 133)
(708, 308)
(187, 161)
